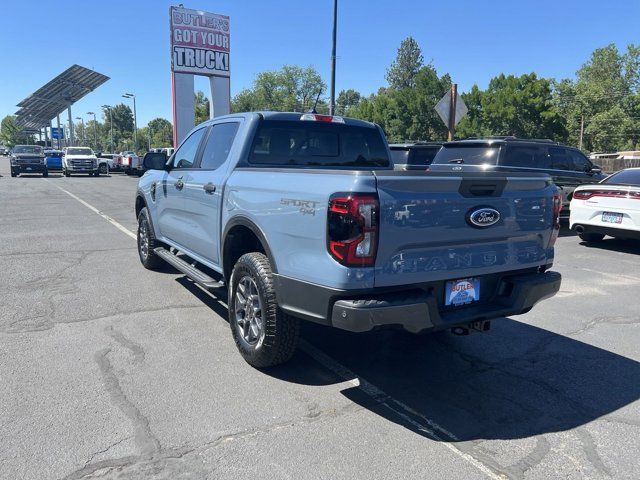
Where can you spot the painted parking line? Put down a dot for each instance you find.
(113, 222)
(409, 415)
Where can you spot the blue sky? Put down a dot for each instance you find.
(471, 40)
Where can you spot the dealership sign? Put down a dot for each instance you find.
(199, 42)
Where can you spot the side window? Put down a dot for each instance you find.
(218, 145)
(580, 162)
(524, 157)
(186, 154)
(423, 156)
(559, 159)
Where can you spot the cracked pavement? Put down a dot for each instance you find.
(111, 371)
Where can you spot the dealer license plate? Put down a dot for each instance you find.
(462, 292)
(611, 217)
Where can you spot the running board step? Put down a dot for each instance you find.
(189, 270)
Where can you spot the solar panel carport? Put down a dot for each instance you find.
(41, 107)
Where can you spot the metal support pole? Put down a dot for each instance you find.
(452, 111)
(581, 131)
(135, 125)
(58, 123)
(71, 138)
(332, 101)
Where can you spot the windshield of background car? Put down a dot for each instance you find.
(79, 151)
(400, 156)
(54, 154)
(472, 154)
(624, 177)
(35, 149)
(324, 144)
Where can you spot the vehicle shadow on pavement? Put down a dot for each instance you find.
(515, 381)
(615, 245)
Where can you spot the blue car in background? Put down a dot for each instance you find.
(53, 159)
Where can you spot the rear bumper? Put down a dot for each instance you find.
(618, 232)
(29, 168)
(417, 310)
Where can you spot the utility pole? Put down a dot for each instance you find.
(332, 102)
(108, 107)
(71, 138)
(452, 111)
(581, 131)
(135, 121)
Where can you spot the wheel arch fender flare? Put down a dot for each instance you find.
(242, 221)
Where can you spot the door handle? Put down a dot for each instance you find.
(209, 188)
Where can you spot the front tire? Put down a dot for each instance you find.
(591, 237)
(264, 334)
(67, 174)
(45, 174)
(147, 242)
(104, 169)
(13, 174)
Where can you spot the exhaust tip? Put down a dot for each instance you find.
(580, 229)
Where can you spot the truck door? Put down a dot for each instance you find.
(170, 198)
(203, 192)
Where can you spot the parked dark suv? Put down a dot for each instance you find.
(413, 156)
(567, 166)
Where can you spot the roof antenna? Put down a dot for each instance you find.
(313, 110)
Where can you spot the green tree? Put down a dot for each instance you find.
(122, 126)
(346, 100)
(522, 106)
(202, 107)
(404, 69)
(12, 134)
(604, 98)
(408, 113)
(292, 88)
(161, 132)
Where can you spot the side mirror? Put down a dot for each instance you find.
(154, 161)
(595, 169)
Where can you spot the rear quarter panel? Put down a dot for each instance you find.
(290, 208)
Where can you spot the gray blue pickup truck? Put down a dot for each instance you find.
(302, 217)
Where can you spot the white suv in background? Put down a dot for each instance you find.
(79, 160)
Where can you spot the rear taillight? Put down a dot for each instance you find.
(352, 229)
(587, 194)
(557, 208)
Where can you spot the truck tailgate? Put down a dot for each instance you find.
(426, 233)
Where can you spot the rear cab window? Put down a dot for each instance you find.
(468, 154)
(317, 144)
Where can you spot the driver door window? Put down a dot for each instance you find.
(185, 156)
(580, 162)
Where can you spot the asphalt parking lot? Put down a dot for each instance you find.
(108, 370)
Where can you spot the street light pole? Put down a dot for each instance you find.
(108, 107)
(95, 130)
(135, 120)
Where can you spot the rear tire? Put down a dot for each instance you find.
(147, 242)
(14, 174)
(264, 334)
(591, 237)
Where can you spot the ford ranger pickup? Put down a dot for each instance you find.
(302, 216)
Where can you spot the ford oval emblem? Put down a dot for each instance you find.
(482, 217)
